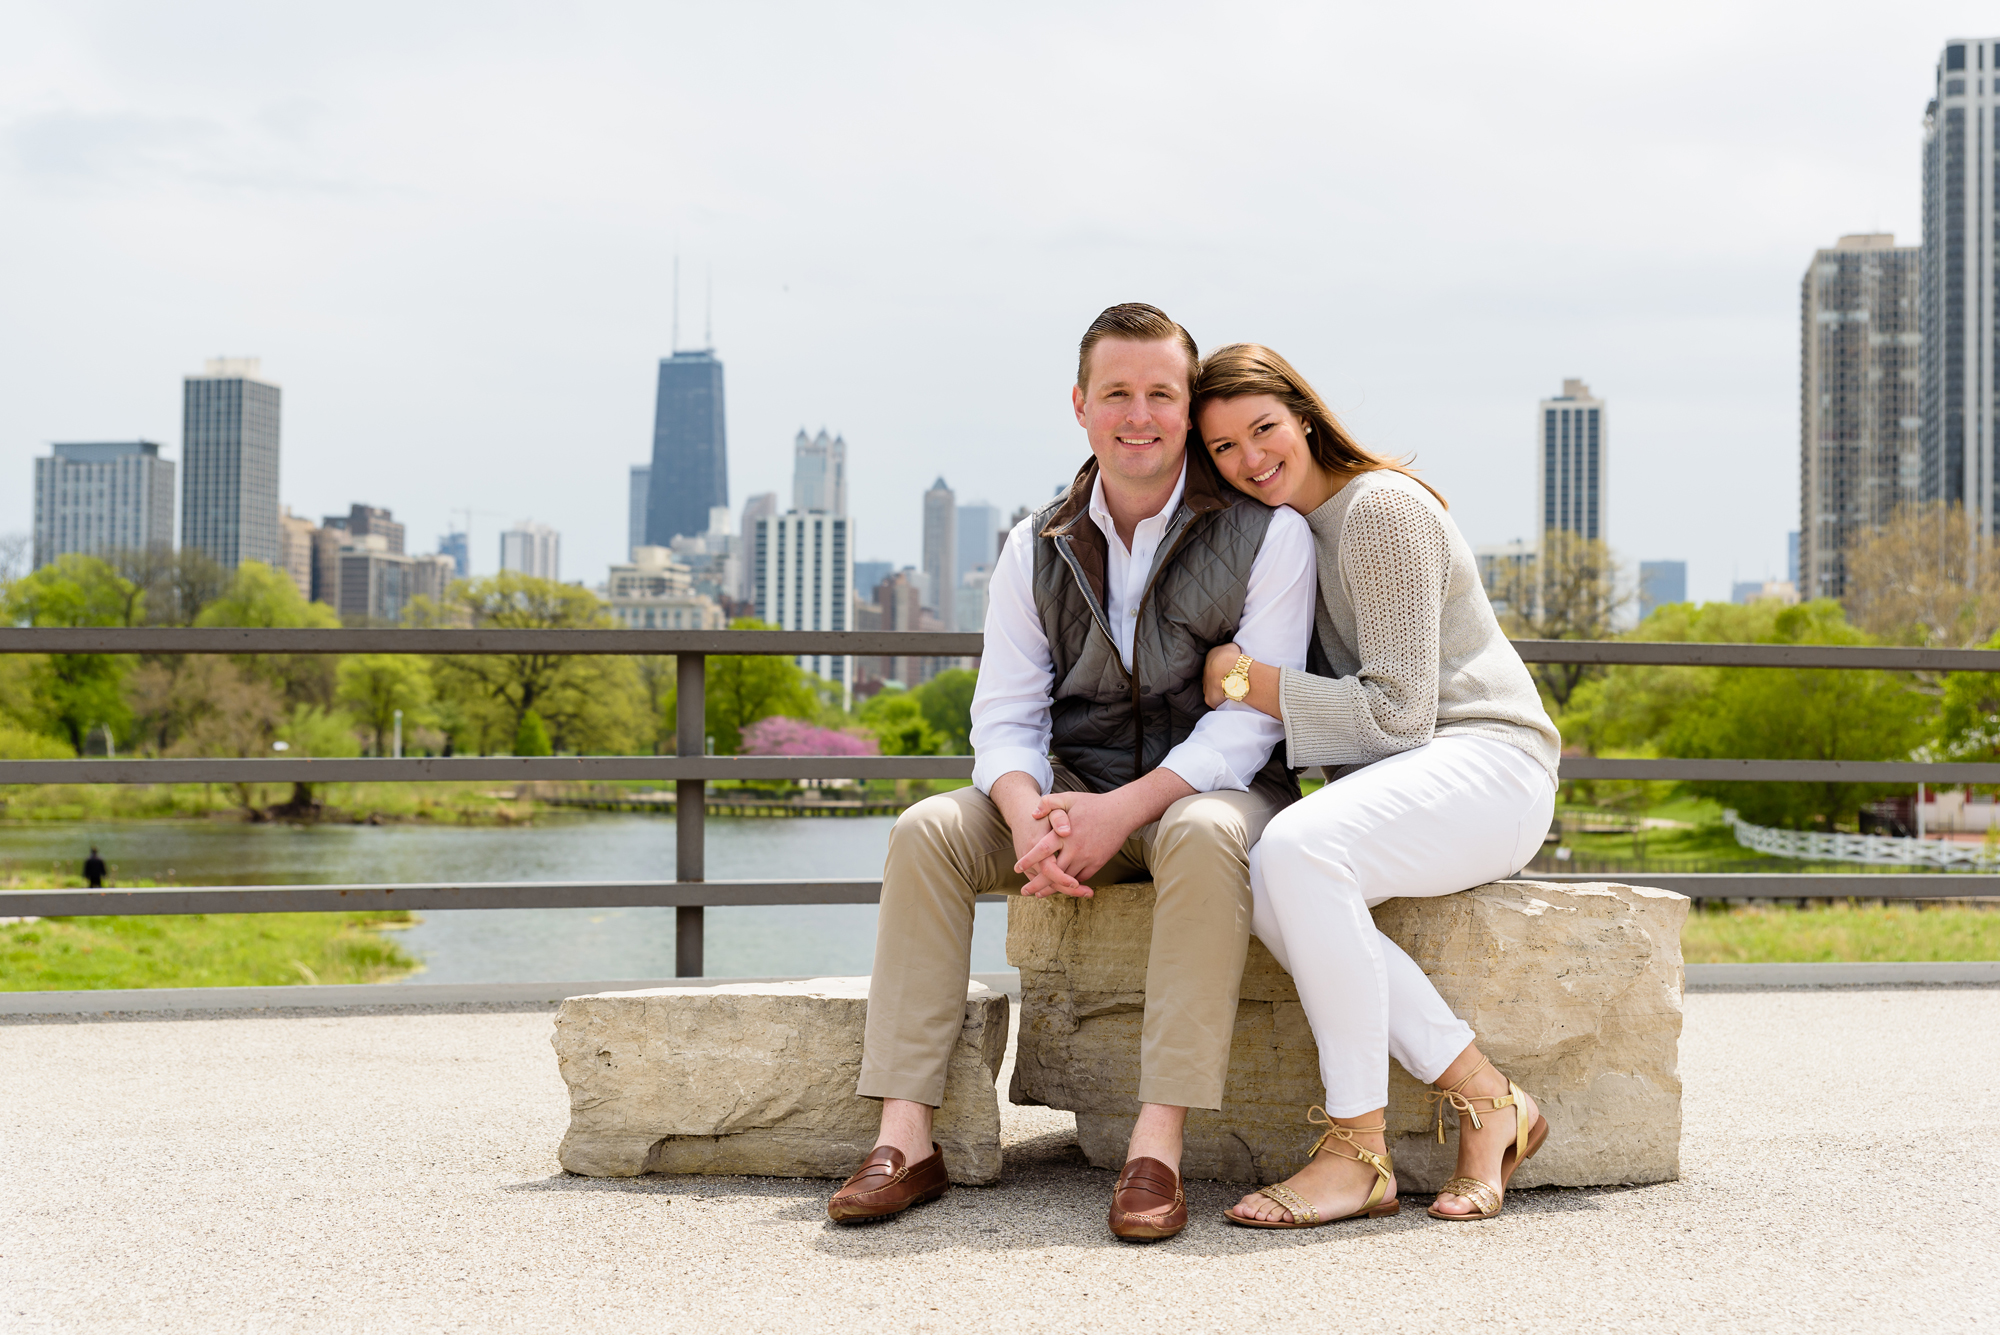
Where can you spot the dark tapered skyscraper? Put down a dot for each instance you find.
(1960, 325)
(690, 451)
(229, 463)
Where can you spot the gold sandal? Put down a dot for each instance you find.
(1304, 1214)
(1527, 1139)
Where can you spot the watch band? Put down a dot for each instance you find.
(1239, 673)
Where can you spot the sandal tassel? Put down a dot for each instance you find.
(1461, 1104)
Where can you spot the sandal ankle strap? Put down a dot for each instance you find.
(1383, 1164)
(1462, 1103)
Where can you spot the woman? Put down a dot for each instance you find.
(1444, 776)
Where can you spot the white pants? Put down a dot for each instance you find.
(1454, 813)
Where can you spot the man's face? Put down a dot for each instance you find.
(1135, 409)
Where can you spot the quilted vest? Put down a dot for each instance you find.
(1111, 726)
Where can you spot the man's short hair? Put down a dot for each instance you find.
(1135, 322)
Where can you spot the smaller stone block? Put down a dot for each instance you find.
(755, 1078)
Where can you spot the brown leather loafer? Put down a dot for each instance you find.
(885, 1184)
(1145, 1186)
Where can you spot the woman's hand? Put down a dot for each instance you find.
(1220, 659)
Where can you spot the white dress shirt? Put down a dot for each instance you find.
(1228, 746)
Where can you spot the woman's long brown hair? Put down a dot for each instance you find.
(1243, 369)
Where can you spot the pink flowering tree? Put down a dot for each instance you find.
(780, 736)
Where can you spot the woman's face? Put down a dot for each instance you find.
(1260, 447)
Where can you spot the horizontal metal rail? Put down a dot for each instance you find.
(1910, 772)
(882, 643)
(486, 769)
(729, 894)
(443, 895)
(1669, 653)
(522, 769)
(405, 640)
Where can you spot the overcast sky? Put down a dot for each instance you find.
(449, 230)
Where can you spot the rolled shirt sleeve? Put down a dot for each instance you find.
(1231, 743)
(1011, 704)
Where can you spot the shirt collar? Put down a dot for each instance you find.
(1102, 515)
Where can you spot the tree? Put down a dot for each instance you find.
(1757, 713)
(739, 689)
(262, 597)
(1925, 578)
(896, 718)
(72, 694)
(946, 701)
(531, 738)
(1568, 592)
(375, 686)
(587, 704)
(781, 736)
(207, 705)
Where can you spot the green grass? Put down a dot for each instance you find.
(1840, 932)
(195, 950)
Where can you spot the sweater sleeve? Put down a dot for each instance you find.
(1393, 563)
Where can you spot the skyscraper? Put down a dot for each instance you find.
(1860, 452)
(802, 578)
(941, 550)
(1661, 583)
(1570, 472)
(532, 549)
(690, 471)
(978, 538)
(101, 497)
(295, 549)
(638, 496)
(229, 463)
(1957, 316)
(459, 548)
(819, 474)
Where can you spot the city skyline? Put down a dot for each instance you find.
(177, 193)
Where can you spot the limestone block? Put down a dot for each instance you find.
(1573, 990)
(755, 1078)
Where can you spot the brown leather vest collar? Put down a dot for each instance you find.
(1071, 519)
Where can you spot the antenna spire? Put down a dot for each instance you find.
(677, 303)
(708, 319)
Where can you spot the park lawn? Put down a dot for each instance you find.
(1844, 933)
(199, 950)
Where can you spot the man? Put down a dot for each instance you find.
(93, 870)
(1100, 612)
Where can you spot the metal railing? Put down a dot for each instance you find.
(689, 771)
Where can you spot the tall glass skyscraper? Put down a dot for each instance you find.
(1570, 473)
(1960, 324)
(690, 453)
(229, 463)
(1859, 452)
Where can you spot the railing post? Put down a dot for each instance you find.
(690, 808)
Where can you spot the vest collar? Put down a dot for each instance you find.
(1202, 494)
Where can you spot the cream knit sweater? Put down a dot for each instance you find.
(1403, 625)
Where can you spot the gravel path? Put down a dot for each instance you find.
(389, 1172)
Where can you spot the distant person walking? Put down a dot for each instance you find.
(93, 870)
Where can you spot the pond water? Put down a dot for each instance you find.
(530, 945)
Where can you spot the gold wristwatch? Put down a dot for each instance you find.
(1237, 684)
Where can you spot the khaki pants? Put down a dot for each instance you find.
(948, 848)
